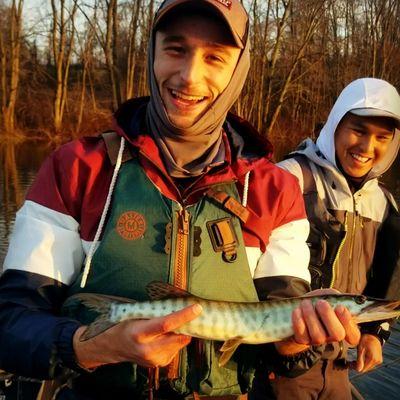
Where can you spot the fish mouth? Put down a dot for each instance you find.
(379, 310)
(387, 305)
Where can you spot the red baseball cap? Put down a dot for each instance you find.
(231, 11)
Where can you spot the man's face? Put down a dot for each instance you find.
(362, 142)
(193, 63)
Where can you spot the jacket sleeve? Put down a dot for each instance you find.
(35, 341)
(292, 166)
(282, 269)
(44, 257)
(281, 272)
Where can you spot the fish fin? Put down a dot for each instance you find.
(161, 290)
(98, 326)
(228, 348)
(96, 302)
(100, 304)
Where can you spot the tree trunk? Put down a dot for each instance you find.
(62, 50)
(10, 68)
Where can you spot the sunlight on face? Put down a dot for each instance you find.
(194, 61)
(362, 142)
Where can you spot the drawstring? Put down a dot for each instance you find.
(92, 249)
(246, 188)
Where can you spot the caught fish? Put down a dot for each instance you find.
(231, 322)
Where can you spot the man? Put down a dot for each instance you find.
(350, 214)
(182, 193)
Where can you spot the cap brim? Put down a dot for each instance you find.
(374, 112)
(207, 5)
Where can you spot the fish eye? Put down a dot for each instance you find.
(360, 299)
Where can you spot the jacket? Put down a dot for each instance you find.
(57, 224)
(355, 215)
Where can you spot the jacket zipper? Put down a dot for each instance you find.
(181, 252)
(181, 249)
(334, 266)
(352, 241)
(180, 271)
(355, 216)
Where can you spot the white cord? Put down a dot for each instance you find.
(246, 188)
(93, 246)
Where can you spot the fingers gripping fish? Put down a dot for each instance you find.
(231, 322)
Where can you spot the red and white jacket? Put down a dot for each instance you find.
(56, 226)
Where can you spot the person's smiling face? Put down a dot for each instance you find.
(194, 60)
(362, 142)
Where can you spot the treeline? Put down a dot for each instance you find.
(62, 76)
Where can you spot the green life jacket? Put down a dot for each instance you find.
(142, 242)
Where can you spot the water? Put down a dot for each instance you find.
(19, 165)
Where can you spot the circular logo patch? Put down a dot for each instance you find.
(131, 225)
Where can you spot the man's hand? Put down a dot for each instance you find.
(323, 324)
(369, 353)
(320, 325)
(149, 343)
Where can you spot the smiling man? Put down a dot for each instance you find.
(192, 66)
(362, 142)
(182, 192)
(354, 221)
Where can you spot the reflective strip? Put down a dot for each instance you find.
(45, 242)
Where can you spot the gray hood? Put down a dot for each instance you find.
(365, 93)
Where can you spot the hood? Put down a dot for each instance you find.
(365, 93)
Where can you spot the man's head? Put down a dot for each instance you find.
(361, 135)
(200, 51)
(361, 142)
(194, 60)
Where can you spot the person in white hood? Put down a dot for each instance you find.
(350, 214)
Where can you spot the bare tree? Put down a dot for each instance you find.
(10, 65)
(86, 61)
(62, 34)
(303, 52)
(132, 49)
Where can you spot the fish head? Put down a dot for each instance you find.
(368, 309)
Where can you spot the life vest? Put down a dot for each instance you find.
(328, 233)
(149, 237)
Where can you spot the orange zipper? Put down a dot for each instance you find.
(181, 249)
(180, 271)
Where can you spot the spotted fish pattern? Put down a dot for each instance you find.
(231, 322)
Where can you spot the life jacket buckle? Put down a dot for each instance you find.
(223, 238)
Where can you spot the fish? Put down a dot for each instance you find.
(233, 323)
